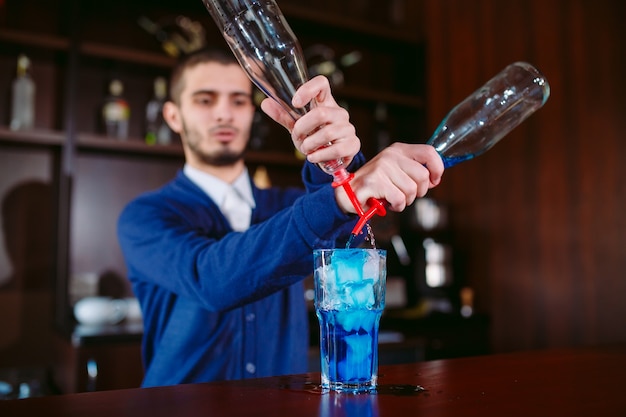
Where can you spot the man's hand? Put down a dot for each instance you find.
(399, 174)
(324, 133)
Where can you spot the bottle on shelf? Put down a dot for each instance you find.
(23, 98)
(116, 111)
(157, 130)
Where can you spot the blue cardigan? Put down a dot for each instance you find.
(223, 305)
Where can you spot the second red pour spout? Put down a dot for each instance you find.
(376, 206)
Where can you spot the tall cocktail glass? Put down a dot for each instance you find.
(349, 301)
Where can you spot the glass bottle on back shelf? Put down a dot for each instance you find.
(23, 97)
(116, 112)
(157, 130)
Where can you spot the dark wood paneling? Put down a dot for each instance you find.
(539, 218)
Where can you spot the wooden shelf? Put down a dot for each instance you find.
(32, 39)
(341, 22)
(31, 137)
(291, 11)
(135, 56)
(94, 49)
(100, 143)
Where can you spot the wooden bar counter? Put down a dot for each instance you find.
(569, 382)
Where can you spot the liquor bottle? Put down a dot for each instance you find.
(116, 112)
(269, 52)
(23, 99)
(157, 130)
(479, 122)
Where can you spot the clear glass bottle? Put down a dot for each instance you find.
(477, 123)
(157, 130)
(116, 112)
(23, 97)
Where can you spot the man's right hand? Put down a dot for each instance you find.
(399, 174)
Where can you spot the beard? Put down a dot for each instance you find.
(221, 157)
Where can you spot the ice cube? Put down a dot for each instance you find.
(358, 362)
(348, 273)
(359, 321)
(371, 267)
(348, 265)
(362, 294)
(350, 320)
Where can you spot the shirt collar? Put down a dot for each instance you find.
(216, 188)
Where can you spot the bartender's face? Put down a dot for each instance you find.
(214, 113)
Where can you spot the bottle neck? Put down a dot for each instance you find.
(23, 65)
(21, 72)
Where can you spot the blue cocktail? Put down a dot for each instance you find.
(349, 300)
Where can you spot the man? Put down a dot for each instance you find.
(221, 295)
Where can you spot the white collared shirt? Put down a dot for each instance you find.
(235, 200)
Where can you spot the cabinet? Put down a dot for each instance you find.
(98, 359)
(76, 47)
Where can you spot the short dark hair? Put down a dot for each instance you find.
(201, 56)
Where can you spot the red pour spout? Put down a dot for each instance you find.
(376, 206)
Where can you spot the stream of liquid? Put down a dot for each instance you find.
(369, 237)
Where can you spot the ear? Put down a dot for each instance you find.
(172, 116)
